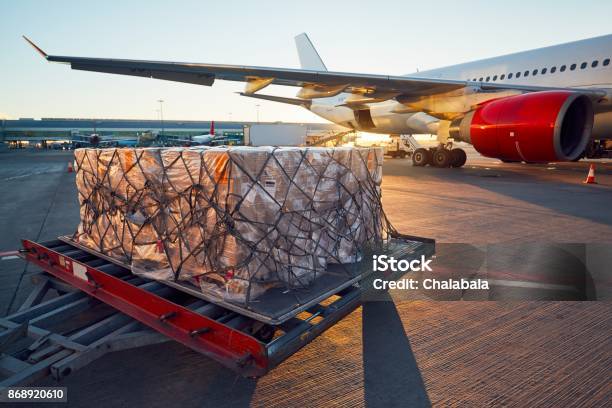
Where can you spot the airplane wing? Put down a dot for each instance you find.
(315, 84)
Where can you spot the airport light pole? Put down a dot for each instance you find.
(161, 114)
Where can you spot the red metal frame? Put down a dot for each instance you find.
(231, 347)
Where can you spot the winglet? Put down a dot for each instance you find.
(41, 52)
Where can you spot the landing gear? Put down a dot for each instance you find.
(421, 157)
(598, 149)
(459, 157)
(442, 158)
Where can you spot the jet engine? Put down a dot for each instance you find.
(533, 127)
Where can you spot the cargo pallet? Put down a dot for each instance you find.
(102, 307)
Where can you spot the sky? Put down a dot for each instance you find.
(382, 37)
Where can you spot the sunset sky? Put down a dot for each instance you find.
(384, 37)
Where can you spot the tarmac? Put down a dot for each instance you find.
(400, 352)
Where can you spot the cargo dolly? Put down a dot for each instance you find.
(101, 307)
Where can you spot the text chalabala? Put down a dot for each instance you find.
(432, 284)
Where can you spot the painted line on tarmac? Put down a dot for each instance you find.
(36, 173)
(7, 255)
(18, 177)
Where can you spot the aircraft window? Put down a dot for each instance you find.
(510, 75)
(480, 79)
(553, 70)
(501, 78)
(488, 78)
(606, 62)
(583, 65)
(594, 63)
(535, 72)
(543, 71)
(474, 79)
(518, 74)
(572, 67)
(526, 73)
(495, 78)
(562, 68)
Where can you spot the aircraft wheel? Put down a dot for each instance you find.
(459, 157)
(420, 157)
(442, 158)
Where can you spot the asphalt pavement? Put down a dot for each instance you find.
(399, 352)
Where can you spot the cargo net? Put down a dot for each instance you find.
(233, 221)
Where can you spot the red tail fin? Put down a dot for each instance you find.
(212, 128)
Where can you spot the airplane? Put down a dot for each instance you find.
(205, 139)
(544, 105)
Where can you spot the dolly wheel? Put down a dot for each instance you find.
(420, 157)
(459, 157)
(266, 333)
(442, 158)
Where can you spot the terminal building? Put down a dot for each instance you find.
(28, 132)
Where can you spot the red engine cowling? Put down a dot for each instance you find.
(533, 127)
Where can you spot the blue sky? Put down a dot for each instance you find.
(385, 37)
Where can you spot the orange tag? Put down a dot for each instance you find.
(220, 168)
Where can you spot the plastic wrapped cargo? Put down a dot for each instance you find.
(234, 221)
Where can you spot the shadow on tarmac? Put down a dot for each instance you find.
(525, 182)
(391, 374)
(162, 375)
